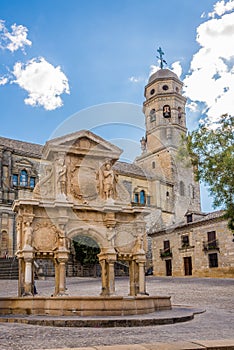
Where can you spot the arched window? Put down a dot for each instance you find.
(142, 197)
(136, 198)
(167, 111)
(152, 115)
(181, 188)
(23, 178)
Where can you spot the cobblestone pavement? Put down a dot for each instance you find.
(215, 295)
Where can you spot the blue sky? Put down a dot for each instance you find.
(59, 58)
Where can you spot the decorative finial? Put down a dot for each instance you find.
(161, 53)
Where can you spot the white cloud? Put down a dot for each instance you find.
(133, 79)
(3, 80)
(211, 78)
(14, 40)
(43, 82)
(221, 7)
(153, 69)
(176, 68)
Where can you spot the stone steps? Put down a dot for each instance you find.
(9, 269)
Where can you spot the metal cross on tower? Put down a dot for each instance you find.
(161, 53)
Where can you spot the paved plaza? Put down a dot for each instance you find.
(214, 295)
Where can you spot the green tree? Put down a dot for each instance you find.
(86, 250)
(211, 148)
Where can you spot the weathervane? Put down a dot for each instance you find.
(161, 53)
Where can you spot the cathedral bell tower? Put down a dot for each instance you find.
(175, 188)
(164, 111)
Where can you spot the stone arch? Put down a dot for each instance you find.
(97, 236)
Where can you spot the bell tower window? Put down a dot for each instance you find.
(167, 111)
(152, 115)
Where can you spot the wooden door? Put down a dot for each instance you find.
(188, 266)
(168, 267)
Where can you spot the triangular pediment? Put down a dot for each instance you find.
(81, 142)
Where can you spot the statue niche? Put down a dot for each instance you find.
(106, 181)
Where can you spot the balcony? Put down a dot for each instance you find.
(165, 253)
(211, 245)
(186, 246)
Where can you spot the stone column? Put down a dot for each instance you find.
(56, 269)
(132, 280)
(21, 264)
(28, 277)
(62, 277)
(111, 277)
(104, 277)
(27, 255)
(142, 278)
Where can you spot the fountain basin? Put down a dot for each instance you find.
(83, 306)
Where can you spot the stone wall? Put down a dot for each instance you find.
(201, 253)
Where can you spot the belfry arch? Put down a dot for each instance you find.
(79, 193)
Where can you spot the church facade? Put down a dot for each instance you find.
(81, 173)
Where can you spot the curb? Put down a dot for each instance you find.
(227, 344)
(181, 314)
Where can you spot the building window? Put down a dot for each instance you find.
(32, 182)
(181, 188)
(185, 241)
(167, 194)
(167, 111)
(136, 198)
(166, 251)
(189, 218)
(213, 260)
(166, 245)
(23, 178)
(152, 115)
(153, 165)
(15, 179)
(212, 241)
(142, 197)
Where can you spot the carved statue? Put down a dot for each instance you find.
(18, 232)
(138, 248)
(111, 233)
(143, 144)
(43, 187)
(28, 232)
(107, 180)
(61, 176)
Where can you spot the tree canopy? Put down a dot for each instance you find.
(86, 250)
(211, 148)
